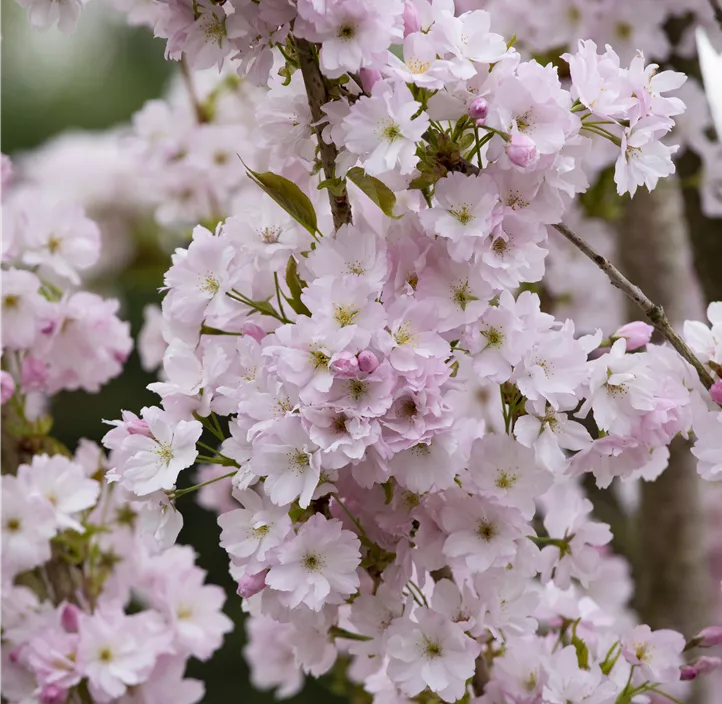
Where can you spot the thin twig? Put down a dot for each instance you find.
(654, 312)
(318, 96)
(192, 94)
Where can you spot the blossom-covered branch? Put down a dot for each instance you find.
(654, 312)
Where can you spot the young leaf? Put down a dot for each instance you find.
(295, 285)
(376, 190)
(289, 196)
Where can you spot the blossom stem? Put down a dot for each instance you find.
(601, 132)
(318, 96)
(416, 592)
(353, 518)
(653, 688)
(338, 632)
(214, 429)
(195, 487)
(199, 110)
(655, 313)
(208, 330)
(278, 294)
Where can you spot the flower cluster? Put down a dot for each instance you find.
(49, 323)
(354, 348)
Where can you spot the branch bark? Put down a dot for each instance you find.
(318, 96)
(654, 312)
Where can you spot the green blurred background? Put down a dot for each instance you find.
(95, 79)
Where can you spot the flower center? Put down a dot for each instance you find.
(463, 214)
(11, 301)
(432, 648)
(494, 337)
(416, 65)
(505, 480)
(357, 389)
(346, 32)
(270, 234)
(105, 655)
(13, 525)
(461, 295)
(390, 131)
(210, 284)
(345, 315)
(319, 359)
(54, 244)
(486, 531)
(164, 452)
(313, 563)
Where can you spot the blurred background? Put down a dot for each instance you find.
(93, 80)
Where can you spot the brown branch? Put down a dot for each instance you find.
(655, 313)
(187, 74)
(318, 96)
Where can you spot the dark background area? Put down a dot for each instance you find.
(92, 80)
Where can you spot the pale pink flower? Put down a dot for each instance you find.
(318, 566)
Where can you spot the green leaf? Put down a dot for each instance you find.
(376, 190)
(295, 285)
(289, 196)
(581, 648)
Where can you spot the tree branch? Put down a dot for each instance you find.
(318, 96)
(655, 313)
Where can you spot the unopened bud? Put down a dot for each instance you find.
(254, 331)
(251, 584)
(369, 78)
(69, 618)
(715, 391)
(137, 426)
(701, 666)
(344, 365)
(522, 151)
(33, 374)
(412, 21)
(7, 387)
(708, 637)
(478, 110)
(367, 361)
(52, 694)
(637, 334)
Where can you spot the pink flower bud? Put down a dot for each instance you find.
(715, 392)
(69, 618)
(33, 374)
(701, 666)
(369, 77)
(254, 331)
(412, 21)
(636, 333)
(7, 387)
(522, 151)
(710, 636)
(251, 584)
(367, 361)
(52, 694)
(478, 110)
(344, 364)
(137, 426)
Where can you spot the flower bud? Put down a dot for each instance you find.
(636, 333)
(69, 618)
(715, 392)
(478, 110)
(369, 77)
(710, 636)
(7, 387)
(522, 151)
(254, 331)
(412, 21)
(344, 365)
(251, 584)
(701, 666)
(52, 694)
(367, 361)
(33, 374)
(135, 426)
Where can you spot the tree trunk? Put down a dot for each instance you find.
(673, 586)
